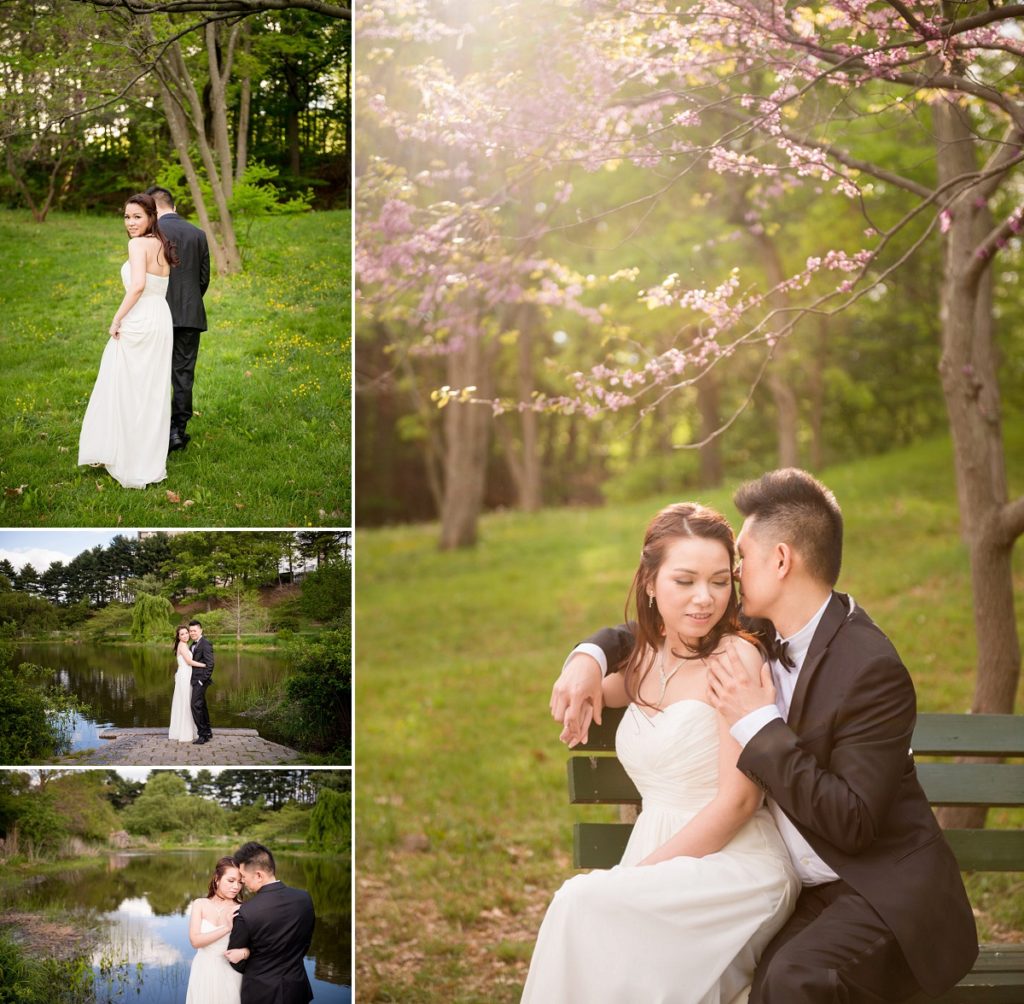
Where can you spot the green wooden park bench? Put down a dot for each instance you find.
(597, 778)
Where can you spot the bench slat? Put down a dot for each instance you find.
(969, 735)
(600, 845)
(935, 735)
(972, 783)
(602, 780)
(997, 978)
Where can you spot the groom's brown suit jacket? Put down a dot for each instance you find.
(842, 770)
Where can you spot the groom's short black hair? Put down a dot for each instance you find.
(797, 509)
(194, 624)
(162, 196)
(255, 855)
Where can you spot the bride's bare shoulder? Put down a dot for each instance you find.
(748, 653)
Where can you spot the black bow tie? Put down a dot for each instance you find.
(781, 654)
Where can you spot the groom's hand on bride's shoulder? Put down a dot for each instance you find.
(576, 698)
(739, 680)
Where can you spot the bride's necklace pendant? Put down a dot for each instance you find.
(665, 677)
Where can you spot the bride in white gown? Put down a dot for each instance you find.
(127, 423)
(211, 979)
(183, 726)
(705, 880)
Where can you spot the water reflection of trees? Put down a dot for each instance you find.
(169, 881)
(133, 686)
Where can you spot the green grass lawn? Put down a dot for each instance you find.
(463, 828)
(271, 432)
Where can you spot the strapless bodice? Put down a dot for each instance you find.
(156, 285)
(672, 756)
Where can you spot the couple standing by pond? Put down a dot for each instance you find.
(190, 718)
(133, 420)
(251, 951)
(786, 852)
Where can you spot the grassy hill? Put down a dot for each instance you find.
(271, 432)
(463, 827)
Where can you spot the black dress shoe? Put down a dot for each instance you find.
(198, 742)
(178, 441)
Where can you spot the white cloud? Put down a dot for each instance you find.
(39, 557)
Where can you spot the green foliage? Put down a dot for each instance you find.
(40, 824)
(113, 621)
(31, 615)
(676, 473)
(330, 825)
(271, 437)
(81, 799)
(25, 979)
(152, 617)
(289, 825)
(327, 592)
(36, 713)
(320, 689)
(166, 807)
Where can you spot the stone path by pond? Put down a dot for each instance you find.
(152, 748)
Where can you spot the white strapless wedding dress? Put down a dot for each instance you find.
(183, 726)
(128, 420)
(211, 979)
(685, 931)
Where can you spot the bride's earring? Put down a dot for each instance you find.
(650, 600)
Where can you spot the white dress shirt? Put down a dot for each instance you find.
(809, 866)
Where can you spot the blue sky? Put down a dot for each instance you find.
(43, 547)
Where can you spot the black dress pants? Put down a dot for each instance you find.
(200, 714)
(183, 375)
(834, 949)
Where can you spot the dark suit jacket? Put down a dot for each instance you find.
(190, 278)
(276, 925)
(203, 652)
(841, 769)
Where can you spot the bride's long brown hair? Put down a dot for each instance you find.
(218, 873)
(682, 519)
(148, 204)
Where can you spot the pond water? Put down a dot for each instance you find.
(140, 902)
(132, 687)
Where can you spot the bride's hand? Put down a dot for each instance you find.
(115, 329)
(236, 954)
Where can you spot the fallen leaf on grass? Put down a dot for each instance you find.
(63, 449)
(239, 505)
(173, 496)
(11, 492)
(99, 486)
(188, 502)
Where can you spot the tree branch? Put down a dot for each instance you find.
(223, 6)
(1012, 519)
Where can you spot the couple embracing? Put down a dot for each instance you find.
(250, 952)
(190, 718)
(786, 852)
(142, 399)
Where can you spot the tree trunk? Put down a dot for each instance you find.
(244, 106)
(819, 364)
(523, 459)
(710, 421)
(786, 412)
(466, 428)
(970, 387)
(180, 137)
(219, 63)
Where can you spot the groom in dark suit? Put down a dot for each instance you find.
(202, 677)
(825, 731)
(271, 934)
(185, 291)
